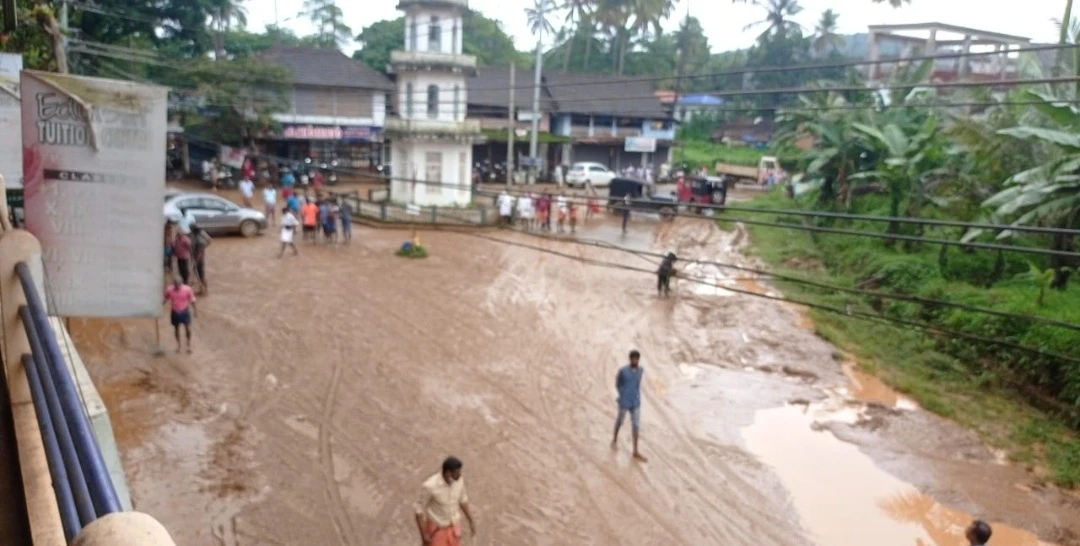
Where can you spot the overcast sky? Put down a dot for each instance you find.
(722, 20)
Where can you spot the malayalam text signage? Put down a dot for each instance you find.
(353, 133)
(94, 184)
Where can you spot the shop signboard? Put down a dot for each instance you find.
(311, 132)
(10, 120)
(94, 171)
(640, 145)
(359, 133)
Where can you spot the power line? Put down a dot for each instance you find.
(823, 286)
(892, 321)
(117, 51)
(721, 208)
(615, 80)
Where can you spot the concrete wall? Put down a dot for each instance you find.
(445, 82)
(410, 160)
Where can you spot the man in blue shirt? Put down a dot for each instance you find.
(628, 383)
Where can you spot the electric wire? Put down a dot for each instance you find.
(845, 312)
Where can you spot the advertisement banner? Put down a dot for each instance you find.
(640, 145)
(10, 120)
(232, 157)
(94, 180)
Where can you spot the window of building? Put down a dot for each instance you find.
(454, 37)
(412, 34)
(434, 35)
(408, 100)
(433, 101)
(433, 172)
(463, 169)
(457, 101)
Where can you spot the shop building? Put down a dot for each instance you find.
(337, 110)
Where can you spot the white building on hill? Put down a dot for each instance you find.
(431, 139)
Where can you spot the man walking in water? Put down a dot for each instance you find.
(664, 274)
(628, 384)
(443, 500)
(181, 299)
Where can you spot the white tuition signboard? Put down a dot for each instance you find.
(94, 182)
(10, 114)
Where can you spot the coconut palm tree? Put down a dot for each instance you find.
(540, 17)
(825, 37)
(778, 16)
(578, 16)
(223, 14)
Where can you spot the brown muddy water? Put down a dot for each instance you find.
(323, 389)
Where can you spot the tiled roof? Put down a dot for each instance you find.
(327, 67)
(594, 94)
(491, 87)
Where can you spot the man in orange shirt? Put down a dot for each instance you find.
(309, 214)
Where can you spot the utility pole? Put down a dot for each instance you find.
(64, 24)
(511, 128)
(534, 140)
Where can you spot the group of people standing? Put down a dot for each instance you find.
(536, 212)
(185, 264)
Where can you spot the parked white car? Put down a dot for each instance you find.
(595, 174)
(214, 213)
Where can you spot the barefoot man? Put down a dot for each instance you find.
(181, 299)
(443, 500)
(628, 383)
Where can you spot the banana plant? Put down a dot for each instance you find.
(1042, 278)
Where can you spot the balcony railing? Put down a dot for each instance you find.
(405, 60)
(468, 127)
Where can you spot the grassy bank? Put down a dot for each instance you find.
(1024, 404)
(697, 153)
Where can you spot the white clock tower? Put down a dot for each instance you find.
(431, 139)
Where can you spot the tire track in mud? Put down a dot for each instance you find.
(332, 490)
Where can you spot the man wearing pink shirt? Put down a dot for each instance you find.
(181, 299)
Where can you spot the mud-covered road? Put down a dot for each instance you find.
(323, 389)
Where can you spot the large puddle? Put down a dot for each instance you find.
(842, 497)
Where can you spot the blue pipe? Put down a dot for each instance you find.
(102, 490)
(69, 517)
(70, 459)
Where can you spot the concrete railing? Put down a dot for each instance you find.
(74, 487)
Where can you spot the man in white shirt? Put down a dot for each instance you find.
(506, 207)
(525, 211)
(247, 191)
(288, 231)
(443, 500)
(269, 195)
(187, 219)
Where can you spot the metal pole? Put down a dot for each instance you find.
(511, 129)
(534, 140)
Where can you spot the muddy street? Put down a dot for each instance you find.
(323, 389)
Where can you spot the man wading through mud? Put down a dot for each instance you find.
(181, 299)
(664, 275)
(628, 383)
(443, 500)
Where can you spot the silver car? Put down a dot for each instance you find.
(214, 213)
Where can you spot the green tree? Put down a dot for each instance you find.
(481, 37)
(224, 14)
(778, 14)
(330, 26)
(826, 39)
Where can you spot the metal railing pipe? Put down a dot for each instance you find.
(99, 482)
(69, 516)
(69, 455)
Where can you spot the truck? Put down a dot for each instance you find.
(745, 173)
